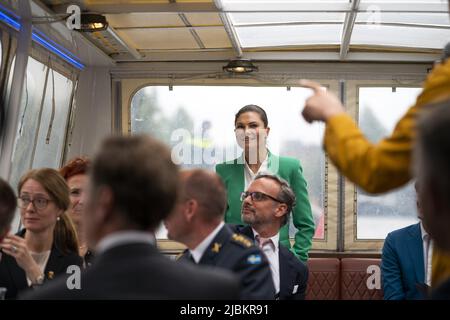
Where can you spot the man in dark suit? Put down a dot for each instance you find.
(133, 186)
(265, 208)
(197, 222)
(406, 261)
(8, 205)
(431, 164)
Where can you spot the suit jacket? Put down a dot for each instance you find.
(13, 277)
(232, 174)
(402, 265)
(238, 254)
(293, 273)
(139, 271)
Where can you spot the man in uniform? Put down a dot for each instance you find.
(197, 222)
(265, 208)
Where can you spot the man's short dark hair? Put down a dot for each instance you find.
(208, 190)
(8, 205)
(286, 195)
(142, 177)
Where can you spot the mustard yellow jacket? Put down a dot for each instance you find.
(386, 165)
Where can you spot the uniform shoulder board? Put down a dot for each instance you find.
(241, 240)
(178, 256)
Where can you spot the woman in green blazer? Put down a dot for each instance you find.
(251, 129)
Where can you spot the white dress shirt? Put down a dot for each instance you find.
(198, 252)
(272, 253)
(249, 175)
(427, 243)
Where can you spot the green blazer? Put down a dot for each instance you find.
(232, 174)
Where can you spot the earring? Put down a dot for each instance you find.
(58, 218)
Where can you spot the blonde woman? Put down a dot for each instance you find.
(48, 243)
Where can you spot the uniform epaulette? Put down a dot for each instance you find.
(178, 256)
(241, 240)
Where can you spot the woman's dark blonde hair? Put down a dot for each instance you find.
(64, 234)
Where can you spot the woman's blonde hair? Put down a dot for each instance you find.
(65, 236)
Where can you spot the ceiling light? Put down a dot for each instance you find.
(240, 66)
(91, 22)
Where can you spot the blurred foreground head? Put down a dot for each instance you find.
(432, 168)
(8, 205)
(200, 207)
(133, 186)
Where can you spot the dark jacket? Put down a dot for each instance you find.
(234, 252)
(293, 273)
(14, 279)
(88, 258)
(139, 271)
(442, 292)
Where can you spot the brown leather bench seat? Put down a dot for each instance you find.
(344, 279)
(324, 279)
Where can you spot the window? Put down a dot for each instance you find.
(28, 119)
(379, 110)
(50, 142)
(197, 122)
(31, 148)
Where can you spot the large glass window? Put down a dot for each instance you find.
(29, 118)
(32, 149)
(379, 110)
(50, 138)
(197, 122)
